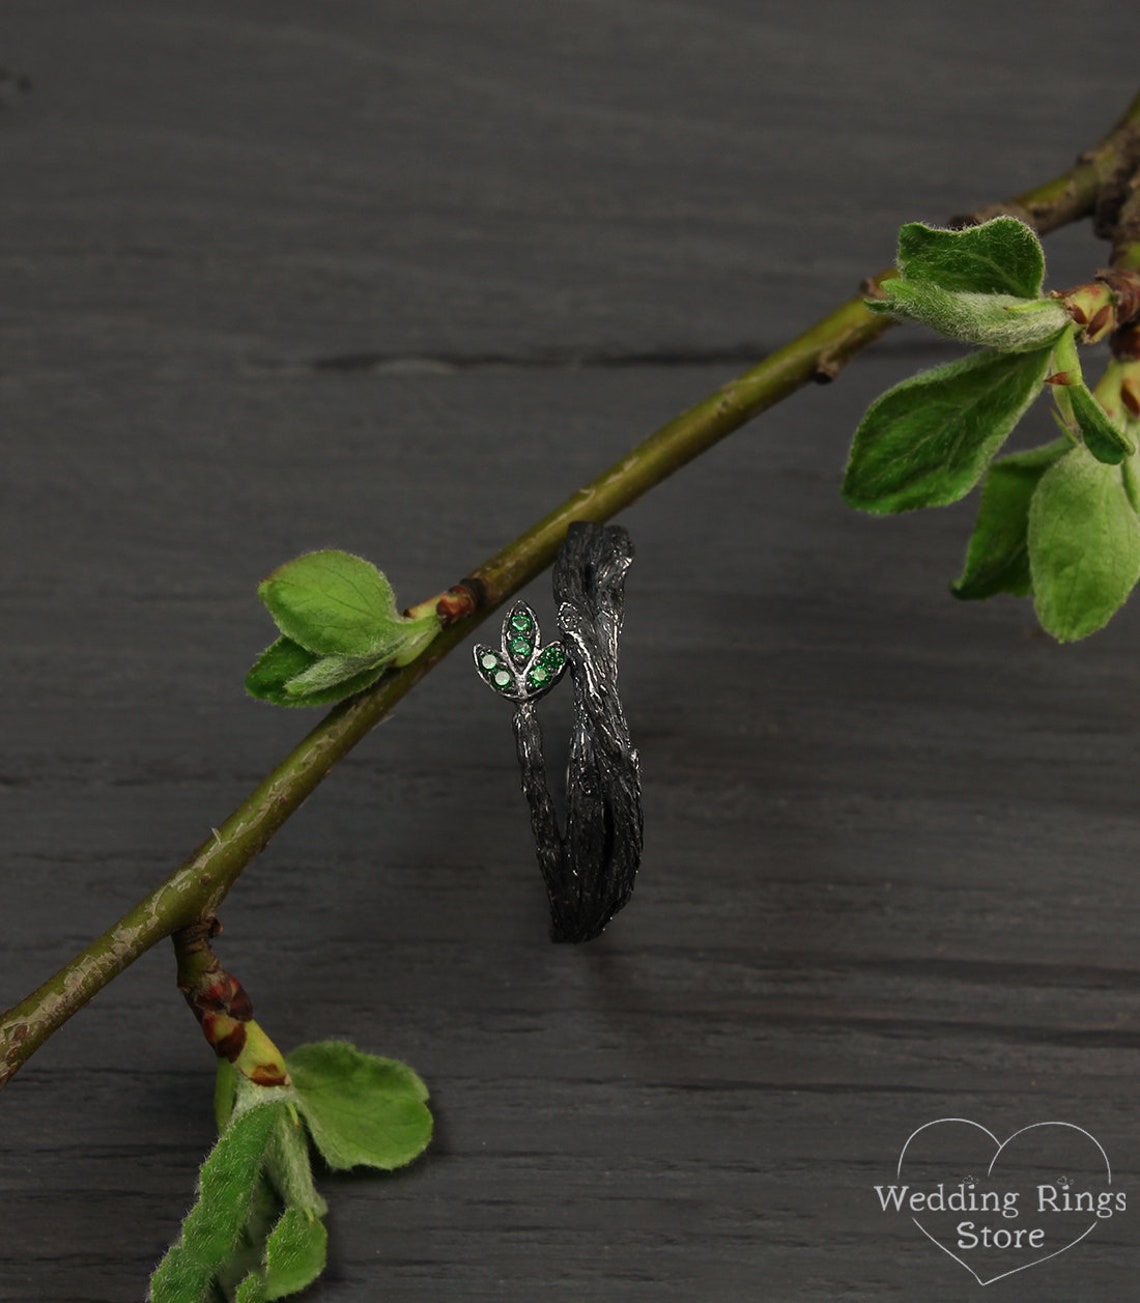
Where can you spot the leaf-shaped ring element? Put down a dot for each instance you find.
(523, 670)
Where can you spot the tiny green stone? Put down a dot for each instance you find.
(553, 657)
(520, 622)
(520, 646)
(489, 661)
(539, 675)
(502, 679)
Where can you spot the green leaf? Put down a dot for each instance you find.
(251, 1290)
(289, 1166)
(257, 1219)
(331, 603)
(277, 665)
(1001, 256)
(1103, 438)
(214, 1226)
(995, 320)
(1131, 475)
(332, 671)
(404, 645)
(340, 627)
(1084, 545)
(997, 560)
(248, 1255)
(255, 1233)
(413, 638)
(284, 662)
(926, 442)
(294, 1253)
(360, 1109)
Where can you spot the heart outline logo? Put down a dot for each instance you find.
(999, 1146)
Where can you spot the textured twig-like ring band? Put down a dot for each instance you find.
(590, 869)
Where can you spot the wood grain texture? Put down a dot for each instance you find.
(394, 278)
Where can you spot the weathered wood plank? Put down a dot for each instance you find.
(891, 839)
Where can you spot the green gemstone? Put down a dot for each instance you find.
(538, 675)
(520, 647)
(502, 679)
(520, 622)
(553, 657)
(489, 661)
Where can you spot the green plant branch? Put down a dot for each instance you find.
(196, 888)
(1125, 342)
(1123, 219)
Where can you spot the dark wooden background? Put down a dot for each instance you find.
(395, 278)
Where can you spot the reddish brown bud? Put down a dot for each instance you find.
(269, 1074)
(241, 1006)
(462, 599)
(225, 1034)
(218, 1001)
(1099, 324)
(455, 604)
(224, 1010)
(219, 992)
(1124, 283)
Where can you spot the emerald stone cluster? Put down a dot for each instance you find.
(521, 670)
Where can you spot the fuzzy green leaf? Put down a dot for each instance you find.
(1130, 474)
(997, 560)
(999, 321)
(331, 603)
(214, 1226)
(284, 662)
(277, 665)
(294, 1253)
(1084, 545)
(1001, 256)
(360, 1109)
(248, 1255)
(1103, 438)
(257, 1220)
(251, 1290)
(926, 442)
(332, 671)
(403, 645)
(413, 637)
(294, 1256)
(340, 628)
(290, 1168)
